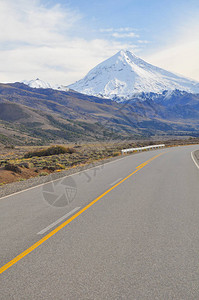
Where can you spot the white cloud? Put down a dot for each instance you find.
(143, 42)
(124, 35)
(106, 30)
(56, 64)
(121, 29)
(30, 22)
(119, 33)
(36, 42)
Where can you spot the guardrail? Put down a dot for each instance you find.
(142, 148)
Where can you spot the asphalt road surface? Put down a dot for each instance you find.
(125, 230)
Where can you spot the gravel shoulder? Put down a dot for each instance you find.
(15, 187)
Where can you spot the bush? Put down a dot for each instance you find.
(43, 174)
(9, 147)
(54, 150)
(13, 168)
(116, 154)
(25, 165)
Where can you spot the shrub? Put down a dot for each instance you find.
(60, 166)
(116, 154)
(25, 165)
(43, 174)
(21, 179)
(9, 147)
(54, 150)
(13, 168)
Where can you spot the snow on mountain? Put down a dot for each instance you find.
(40, 84)
(62, 88)
(37, 83)
(125, 74)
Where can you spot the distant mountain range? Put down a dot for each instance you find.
(38, 115)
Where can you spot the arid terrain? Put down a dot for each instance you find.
(15, 165)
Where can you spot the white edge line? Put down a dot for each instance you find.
(59, 220)
(193, 158)
(116, 181)
(42, 184)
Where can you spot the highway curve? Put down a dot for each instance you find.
(125, 230)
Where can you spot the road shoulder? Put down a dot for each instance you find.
(16, 187)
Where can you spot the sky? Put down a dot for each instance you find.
(59, 41)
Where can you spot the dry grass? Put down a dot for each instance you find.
(23, 166)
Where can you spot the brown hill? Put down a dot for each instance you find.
(37, 116)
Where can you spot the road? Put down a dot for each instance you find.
(127, 230)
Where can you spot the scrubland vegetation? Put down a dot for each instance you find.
(20, 163)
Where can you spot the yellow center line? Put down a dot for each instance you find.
(50, 234)
(142, 165)
(148, 161)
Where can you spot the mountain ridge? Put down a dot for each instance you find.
(38, 115)
(41, 84)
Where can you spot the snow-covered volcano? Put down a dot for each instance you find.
(125, 74)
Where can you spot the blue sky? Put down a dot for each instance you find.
(155, 21)
(61, 40)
